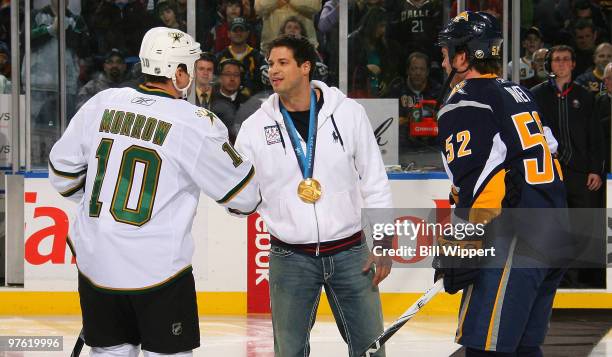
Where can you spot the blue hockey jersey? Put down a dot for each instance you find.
(490, 128)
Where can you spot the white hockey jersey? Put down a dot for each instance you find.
(135, 161)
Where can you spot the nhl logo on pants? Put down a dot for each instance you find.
(177, 328)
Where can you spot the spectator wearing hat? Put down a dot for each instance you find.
(275, 12)
(113, 74)
(239, 50)
(592, 79)
(219, 38)
(168, 14)
(531, 41)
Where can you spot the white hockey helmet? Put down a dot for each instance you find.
(163, 49)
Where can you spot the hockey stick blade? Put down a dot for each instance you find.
(401, 321)
(78, 346)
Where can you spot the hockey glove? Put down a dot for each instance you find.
(458, 271)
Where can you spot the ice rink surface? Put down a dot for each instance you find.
(241, 336)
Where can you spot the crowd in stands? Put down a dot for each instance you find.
(392, 49)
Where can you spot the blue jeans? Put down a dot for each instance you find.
(295, 290)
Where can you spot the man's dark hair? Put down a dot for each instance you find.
(233, 62)
(487, 66)
(581, 24)
(209, 57)
(561, 48)
(303, 50)
(161, 79)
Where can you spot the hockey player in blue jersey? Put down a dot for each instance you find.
(498, 156)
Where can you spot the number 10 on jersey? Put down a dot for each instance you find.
(133, 155)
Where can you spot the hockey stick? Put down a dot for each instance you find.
(401, 321)
(78, 346)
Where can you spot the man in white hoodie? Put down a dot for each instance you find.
(317, 165)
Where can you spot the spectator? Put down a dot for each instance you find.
(585, 37)
(135, 77)
(415, 26)
(251, 59)
(168, 14)
(181, 11)
(531, 42)
(567, 110)
(548, 19)
(592, 79)
(121, 24)
(44, 66)
(206, 18)
(357, 10)
(44, 82)
(111, 77)
(374, 59)
(275, 12)
(204, 79)
(228, 97)
(411, 93)
(539, 69)
(586, 10)
(219, 38)
(293, 26)
(602, 112)
(329, 30)
(5, 60)
(5, 20)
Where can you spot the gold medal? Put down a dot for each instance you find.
(309, 190)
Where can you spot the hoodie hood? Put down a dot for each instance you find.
(332, 95)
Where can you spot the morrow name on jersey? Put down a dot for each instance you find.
(135, 162)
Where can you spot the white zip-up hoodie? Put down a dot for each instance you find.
(347, 164)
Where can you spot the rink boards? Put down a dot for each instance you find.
(230, 261)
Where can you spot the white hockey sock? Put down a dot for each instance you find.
(124, 350)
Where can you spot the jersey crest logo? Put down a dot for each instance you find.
(462, 16)
(203, 113)
(458, 89)
(143, 101)
(273, 135)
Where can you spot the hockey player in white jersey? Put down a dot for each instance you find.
(135, 161)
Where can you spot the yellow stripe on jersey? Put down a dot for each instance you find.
(142, 290)
(488, 203)
(463, 312)
(559, 171)
(236, 190)
(67, 175)
(71, 191)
